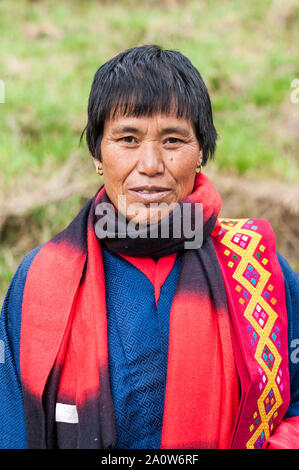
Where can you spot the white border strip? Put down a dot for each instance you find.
(66, 413)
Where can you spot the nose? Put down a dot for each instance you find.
(150, 161)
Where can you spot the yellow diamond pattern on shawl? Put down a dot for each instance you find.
(233, 227)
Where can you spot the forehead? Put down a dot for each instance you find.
(158, 121)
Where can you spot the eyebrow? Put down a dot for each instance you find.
(167, 130)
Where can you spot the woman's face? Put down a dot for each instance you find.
(150, 161)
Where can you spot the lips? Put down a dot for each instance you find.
(150, 193)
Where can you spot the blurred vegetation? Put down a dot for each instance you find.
(247, 53)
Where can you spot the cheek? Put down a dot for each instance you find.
(116, 167)
(184, 161)
(186, 185)
(183, 169)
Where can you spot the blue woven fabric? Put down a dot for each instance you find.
(138, 344)
(12, 418)
(128, 386)
(292, 301)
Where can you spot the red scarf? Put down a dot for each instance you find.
(64, 351)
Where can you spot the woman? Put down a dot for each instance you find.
(119, 334)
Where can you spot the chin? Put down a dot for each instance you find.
(149, 216)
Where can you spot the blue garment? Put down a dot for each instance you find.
(138, 348)
(12, 419)
(134, 387)
(292, 301)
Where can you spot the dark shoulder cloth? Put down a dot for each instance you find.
(12, 420)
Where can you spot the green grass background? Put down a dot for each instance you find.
(247, 53)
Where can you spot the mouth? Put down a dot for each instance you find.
(150, 193)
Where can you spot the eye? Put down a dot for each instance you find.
(129, 139)
(174, 140)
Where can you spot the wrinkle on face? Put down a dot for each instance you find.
(160, 150)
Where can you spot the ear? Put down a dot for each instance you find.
(97, 162)
(200, 156)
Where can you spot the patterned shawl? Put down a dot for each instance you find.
(64, 348)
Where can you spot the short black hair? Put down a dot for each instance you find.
(146, 80)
